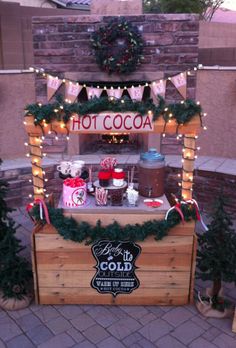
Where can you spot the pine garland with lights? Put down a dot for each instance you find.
(15, 272)
(127, 58)
(182, 112)
(70, 229)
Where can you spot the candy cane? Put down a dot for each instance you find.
(101, 196)
(108, 163)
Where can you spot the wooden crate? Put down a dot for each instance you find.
(64, 269)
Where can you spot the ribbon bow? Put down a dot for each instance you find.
(197, 210)
(42, 209)
(176, 207)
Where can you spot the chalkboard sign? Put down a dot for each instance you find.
(115, 267)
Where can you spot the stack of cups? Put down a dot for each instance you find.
(74, 169)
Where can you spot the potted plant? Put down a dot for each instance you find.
(216, 261)
(15, 272)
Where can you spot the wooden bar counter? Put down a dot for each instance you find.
(63, 269)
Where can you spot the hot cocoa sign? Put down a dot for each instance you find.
(112, 122)
(115, 267)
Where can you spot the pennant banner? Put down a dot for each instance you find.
(93, 92)
(115, 92)
(53, 83)
(158, 88)
(72, 90)
(136, 93)
(180, 82)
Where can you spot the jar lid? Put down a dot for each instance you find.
(118, 170)
(118, 175)
(104, 175)
(152, 155)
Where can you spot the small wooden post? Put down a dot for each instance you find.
(37, 170)
(188, 165)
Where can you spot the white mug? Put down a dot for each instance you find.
(64, 167)
(75, 170)
(79, 163)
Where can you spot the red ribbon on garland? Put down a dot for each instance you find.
(176, 207)
(43, 208)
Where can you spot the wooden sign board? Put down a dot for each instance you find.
(106, 122)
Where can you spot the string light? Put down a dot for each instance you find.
(146, 84)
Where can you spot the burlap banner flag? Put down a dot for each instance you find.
(93, 92)
(158, 88)
(136, 93)
(180, 82)
(53, 83)
(72, 91)
(115, 92)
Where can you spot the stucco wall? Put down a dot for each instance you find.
(213, 35)
(217, 92)
(16, 90)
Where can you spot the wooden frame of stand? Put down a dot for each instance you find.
(60, 276)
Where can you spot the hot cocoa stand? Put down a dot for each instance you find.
(143, 255)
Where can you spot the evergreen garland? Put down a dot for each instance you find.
(61, 111)
(15, 272)
(70, 229)
(124, 60)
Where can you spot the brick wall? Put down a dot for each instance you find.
(61, 46)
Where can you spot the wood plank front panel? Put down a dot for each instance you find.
(65, 270)
(49, 260)
(148, 279)
(169, 244)
(88, 296)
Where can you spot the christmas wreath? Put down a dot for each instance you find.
(118, 46)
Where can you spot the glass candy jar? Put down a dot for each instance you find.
(118, 177)
(104, 178)
(116, 196)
